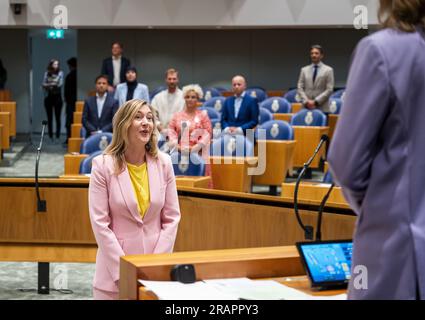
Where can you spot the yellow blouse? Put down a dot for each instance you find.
(140, 181)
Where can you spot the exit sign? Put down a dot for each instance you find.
(55, 34)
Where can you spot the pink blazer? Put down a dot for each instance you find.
(117, 226)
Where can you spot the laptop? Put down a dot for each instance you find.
(327, 263)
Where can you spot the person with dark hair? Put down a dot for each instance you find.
(316, 81)
(3, 76)
(99, 110)
(52, 85)
(377, 155)
(70, 93)
(115, 67)
(131, 89)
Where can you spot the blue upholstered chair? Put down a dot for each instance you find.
(265, 115)
(335, 105)
(96, 142)
(188, 165)
(212, 113)
(83, 132)
(327, 178)
(155, 91)
(337, 94)
(311, 118)
(276, 105)
(292, 96)
(215, 103)
(257, 92)
(232, 146)
(85, 165)
(210, 92)
(276, 130)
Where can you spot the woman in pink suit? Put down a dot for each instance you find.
(133, 201)
(190, 130)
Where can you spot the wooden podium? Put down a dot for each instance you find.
(255, 263)
(307, 140)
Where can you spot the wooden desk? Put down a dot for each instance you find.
(74, 144)
(78, 116)
(275, 93)
(307, 140)
(283, 116)
(313, 193)
(72, 163)
(79, 106)
(332, 121)
(231, 173)
(193, 182)
(210, 219)
(5, 121)
(10, 107)
(279, 159)
(254, 263)
(296, 106)
(5, 95)
(76, 130)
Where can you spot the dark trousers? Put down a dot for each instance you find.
(53, 102)
(70, 108)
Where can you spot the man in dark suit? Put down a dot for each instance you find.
(70, 94)
(114, 67)
(241, 111)
(100, 109)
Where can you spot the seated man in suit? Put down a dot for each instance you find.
(115, 67)
(316, 82)
(100, 109)
(131, 89)
(241, 111)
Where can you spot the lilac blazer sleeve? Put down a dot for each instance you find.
(100, 217)
(170, 213)
(356, 139)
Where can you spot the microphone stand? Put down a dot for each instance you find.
(320, 213)
(308, 230)
(41, 204)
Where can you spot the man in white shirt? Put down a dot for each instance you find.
(168, 101)
(115, 66)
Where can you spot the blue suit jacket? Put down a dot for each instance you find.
(91, 121)
(108, 69)
(247, 116)
(141, 92)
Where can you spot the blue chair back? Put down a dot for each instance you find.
(161, 140)
(210, 92)
(257, 93)
(155, 91)
(85, 165)
(312, 118)
(232, 146)
(276, 105)
(276, 130)
(335, 105)
(96, 142)
(265, 115)
(212, 113)
(292, 96)
(221, 89)
(327, 178)
(216, 103)
(188, 165)
(337, 94)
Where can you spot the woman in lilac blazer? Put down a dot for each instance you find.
(117, 224)
(377, 155)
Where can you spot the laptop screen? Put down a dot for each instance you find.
(327, 262)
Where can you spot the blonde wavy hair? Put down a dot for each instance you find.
(121, 123)
(404, 15)
(195, 88)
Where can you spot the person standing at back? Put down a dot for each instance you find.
(3, 76)
(115, 66)
(316, 82)
(70, 93)
(377, 155)
(52, 85)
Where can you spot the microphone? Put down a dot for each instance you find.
(308, 230)
(41, 204)
(320, 213)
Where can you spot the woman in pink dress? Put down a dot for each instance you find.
(190, 130)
